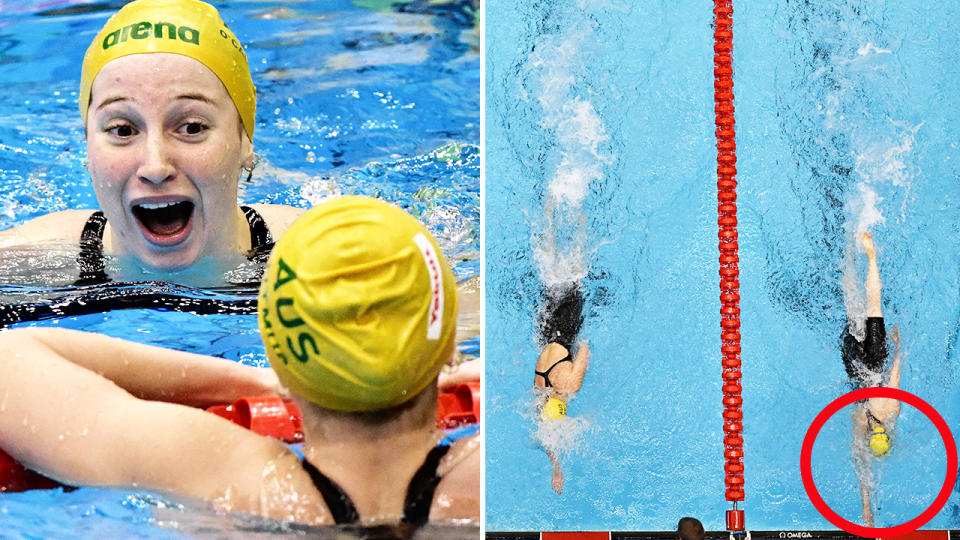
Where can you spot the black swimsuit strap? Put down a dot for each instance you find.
(337, 500)
(90, 259)
(416, 506)
(261, 241)
(546, 374)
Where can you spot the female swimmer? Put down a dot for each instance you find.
(875, 418)
(358, 335)
(556, 372)
(168, 105)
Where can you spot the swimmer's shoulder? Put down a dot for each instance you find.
(270, 481)
(461, 471)
(63, 226)
(552, 353)
(279, 217)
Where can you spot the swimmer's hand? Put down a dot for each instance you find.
(469, 371)
(895, 336)
(272, 385)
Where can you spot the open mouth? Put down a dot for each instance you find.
(165, 223)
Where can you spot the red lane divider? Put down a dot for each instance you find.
(270, 416)
(729, 259)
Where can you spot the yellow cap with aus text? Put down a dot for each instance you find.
(357, 306)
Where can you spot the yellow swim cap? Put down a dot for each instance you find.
(357, 306)
(554, 409)
(879, 442)
(187, 27)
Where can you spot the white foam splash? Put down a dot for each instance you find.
(561, 436)
(576, 158)
(870, 48)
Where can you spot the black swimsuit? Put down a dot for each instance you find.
(862, 358)
(416, 505)
(546, 374)
(562, 316)
(91, 260)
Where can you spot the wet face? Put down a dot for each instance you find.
(165, 147)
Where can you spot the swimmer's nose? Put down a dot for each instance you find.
(155, 165)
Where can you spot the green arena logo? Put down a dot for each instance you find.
(144, 30)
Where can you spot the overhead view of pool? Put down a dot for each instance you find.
(601, 155)
(364, 97)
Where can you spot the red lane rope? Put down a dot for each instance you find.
(729, 258)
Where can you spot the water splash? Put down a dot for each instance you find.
(556, 72)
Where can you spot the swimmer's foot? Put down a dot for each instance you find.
(557, 480)
(866, 240)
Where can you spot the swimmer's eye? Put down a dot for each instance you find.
(193, 128)
(122, 131)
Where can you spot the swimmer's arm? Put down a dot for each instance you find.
(861, 460)
(75, 426)
(887, 410)
(893, 380)
(580, 363)
(65, 226)
(153, 373)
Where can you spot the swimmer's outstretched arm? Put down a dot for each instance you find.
(887, 410)
(77, 427)
(861, 461)
(893, 380)
(149, 372)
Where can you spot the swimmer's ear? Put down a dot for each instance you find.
(250, 164)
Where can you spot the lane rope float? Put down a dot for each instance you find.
(729, 260)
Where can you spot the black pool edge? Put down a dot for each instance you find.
(793, 534)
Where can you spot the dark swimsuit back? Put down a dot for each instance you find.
(867, 356)
(416, 505)
(92, 263)
(546, 374)
(562, 316)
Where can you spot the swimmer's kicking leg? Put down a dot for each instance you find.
(872, 284)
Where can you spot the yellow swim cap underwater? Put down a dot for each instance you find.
(879, 442)
(357, 306)
(187, 27)
(554, 409)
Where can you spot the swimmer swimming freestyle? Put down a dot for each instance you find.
(358, 335)
(168, 104)
(864, 360)
(559, 375)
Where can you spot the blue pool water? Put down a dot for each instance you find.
(846, 121)
(365, 97)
